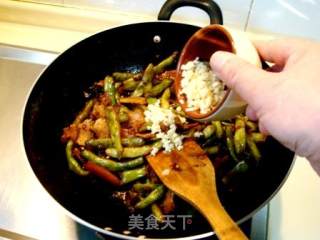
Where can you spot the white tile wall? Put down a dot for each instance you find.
(288, 17)
(235, 12)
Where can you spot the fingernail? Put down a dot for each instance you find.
(218, 59)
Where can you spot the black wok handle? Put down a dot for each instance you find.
(209, 6)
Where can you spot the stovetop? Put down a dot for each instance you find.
(26, 210)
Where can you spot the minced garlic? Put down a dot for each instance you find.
(155, 115)
(202, 88)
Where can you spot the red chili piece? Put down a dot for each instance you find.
(102, 173)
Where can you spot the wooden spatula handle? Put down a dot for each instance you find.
(221, 222)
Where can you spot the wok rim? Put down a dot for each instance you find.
(90, 225)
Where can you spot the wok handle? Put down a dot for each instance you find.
(209, 6)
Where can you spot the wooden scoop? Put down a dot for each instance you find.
(190, 174)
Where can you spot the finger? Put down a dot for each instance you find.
(275, 51)
(263, 129)
(251, 114)
(250, 82)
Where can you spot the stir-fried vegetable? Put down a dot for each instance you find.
(112, 135)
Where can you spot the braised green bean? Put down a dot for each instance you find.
(133, 142)
(145, 82)
(84, 113)
(219, 129)
(240, 135)
(164, 100)
(129, 152)
(161, 67)
(253, 149)
(72, 162)
(230, 146)
(148, 186)
(258, 137)
(123, 114)
(122, 76)
(159, 88)
(114, 127)
(102, 143)
(212, 150)
(151, 198)
(157, 213)
(208, 131)
(151, 100)
(110, 164)
(130, 84)
(252, 126)
(110, 89)
(132, 175)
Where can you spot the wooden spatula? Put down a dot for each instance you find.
(190, 174)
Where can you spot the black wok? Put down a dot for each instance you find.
(58, 95)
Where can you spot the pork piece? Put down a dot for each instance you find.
(70, 133)
(98, 110)
(100, 128)
(99, 107)
(136, 119)
(128, 199)
(85, 132)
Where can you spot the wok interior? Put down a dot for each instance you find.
(58, 96)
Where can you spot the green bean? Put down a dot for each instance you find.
(123, 114)
(161, 67)
(148, 186)
(159, 88)
(157, 144)
(84, 113)
(230, 146)
(151, 100)
(208, 131)
(130, 84)
(156, 211)
(253, 149)
(72, 162)
(258, 137)
(110, 89)
(122, 76)
(240, 168)
(110, 164)
(146, 81)
(219, 129)
(164, 100)
(114, 127)
(132, 175)
(155, 195)
(252, 126)
(133, 142)
(240, 135)
(229, 131)
(101, 143)
(129, 152)
(212, 150)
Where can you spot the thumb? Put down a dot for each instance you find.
(249, 81)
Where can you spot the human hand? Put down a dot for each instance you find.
(284, 99)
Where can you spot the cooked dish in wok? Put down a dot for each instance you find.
(129, 116)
